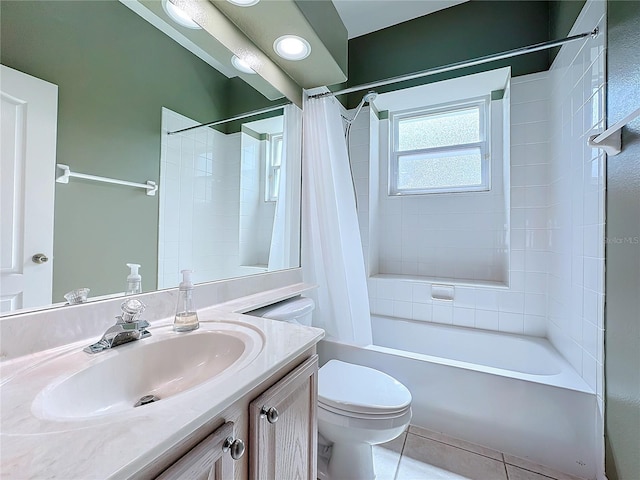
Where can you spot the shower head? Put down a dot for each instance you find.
(370, 96)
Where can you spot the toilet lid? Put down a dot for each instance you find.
(358, 389)
(286, 310)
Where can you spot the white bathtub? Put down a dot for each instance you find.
(513, 393)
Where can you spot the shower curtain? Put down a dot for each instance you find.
(331, 247)
(286, 223)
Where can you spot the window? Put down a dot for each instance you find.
(274, 161)
(441, 149)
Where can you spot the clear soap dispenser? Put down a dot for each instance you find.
(134, 280)
(186, 316)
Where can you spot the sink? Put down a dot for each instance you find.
(162, 366)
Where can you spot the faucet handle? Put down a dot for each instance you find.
(131, 310)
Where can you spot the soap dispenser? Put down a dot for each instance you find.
(134, 280)
(186, 316)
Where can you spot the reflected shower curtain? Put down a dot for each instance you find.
(332, 254)
(285, 239)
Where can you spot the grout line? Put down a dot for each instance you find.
(405, 441)
(462, 448)
(504, 462)
(529, 470)
(395, 476)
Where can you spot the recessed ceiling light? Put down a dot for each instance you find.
(243, 3)
(292, 47)
(241, 65)
(178, 15)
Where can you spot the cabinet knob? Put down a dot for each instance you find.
(234, 446)
(270, 413)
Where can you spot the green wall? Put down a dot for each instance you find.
(562, 16)
(622, 309)
(462, 32)
(114, 72)
(243, 100)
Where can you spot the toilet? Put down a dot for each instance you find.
(358, 406)
(293, 310)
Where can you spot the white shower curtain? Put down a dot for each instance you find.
(285, 239)
(331, 247)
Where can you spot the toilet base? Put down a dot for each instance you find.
(351, 461)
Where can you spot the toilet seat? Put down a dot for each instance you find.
(361, 392)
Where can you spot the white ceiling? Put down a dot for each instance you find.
(366, 16)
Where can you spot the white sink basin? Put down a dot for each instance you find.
(163, 365)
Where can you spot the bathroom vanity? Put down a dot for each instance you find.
(69, 414)
(281, 435)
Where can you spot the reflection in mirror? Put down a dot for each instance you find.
(113, 73)
(226, 198)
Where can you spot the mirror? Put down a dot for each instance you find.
(223, 206)
(122, 84)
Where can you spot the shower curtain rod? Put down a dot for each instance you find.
(231, 119)
(466, 63)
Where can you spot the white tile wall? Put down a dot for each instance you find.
(489, 305)
(361, 149)
(576, 200)
(556, 218)
(435, 236)
(199, 203)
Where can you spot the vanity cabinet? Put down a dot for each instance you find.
(283, 429)
(211, 459)
(278, 428)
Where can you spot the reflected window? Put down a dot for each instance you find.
(274, 161)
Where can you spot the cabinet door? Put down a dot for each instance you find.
(283, 429)
(209, 460)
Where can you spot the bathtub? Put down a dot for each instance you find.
(512, 393)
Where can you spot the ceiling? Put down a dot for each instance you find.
(366, 16)
(265, 21)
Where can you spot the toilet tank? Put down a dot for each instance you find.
(292, 310)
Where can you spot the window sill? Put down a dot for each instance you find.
(459, 282)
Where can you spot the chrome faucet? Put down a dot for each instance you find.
(128, 327)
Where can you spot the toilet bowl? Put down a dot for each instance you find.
(358, 407)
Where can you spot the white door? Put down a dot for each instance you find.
(29, 116)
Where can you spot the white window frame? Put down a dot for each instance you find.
(484, 105)
(270, 190)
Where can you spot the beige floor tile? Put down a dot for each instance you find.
(456, 442)
(517, 473)
(386, 458)
(541, 469)
(426, 459)
(411, 469)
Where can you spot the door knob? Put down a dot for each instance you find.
(40, 258)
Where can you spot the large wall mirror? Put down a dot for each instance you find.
(228, 198)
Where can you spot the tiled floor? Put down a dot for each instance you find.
(421, 454)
